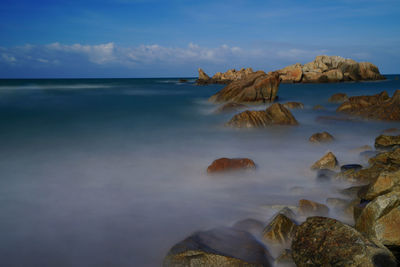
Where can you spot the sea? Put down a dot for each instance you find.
(112, 172)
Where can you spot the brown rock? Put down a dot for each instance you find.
(291, 74)
(328, 161)
(323, 241)
(280, 230)
(276, 114)
(386, 182)
(323, 137)
(318, 107)
(255, 88)
(293, 105)
(225, 164)
(230, 107)
(338, 98)
(203, 77)
(311, 208)
(387, 141)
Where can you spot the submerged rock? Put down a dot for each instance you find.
(280, 230)
(328, 161)
(325, 175)
(255, 88)
(338, 98)
(230, 107)
(387, 141)
(293, 105)
(218, 247)
(311, 208)
(323, 137)
(323, 241)
(226, 164)
(346, 167)
(276, 114)
(318, 107)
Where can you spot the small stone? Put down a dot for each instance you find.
(323, 137)
(328, 161)
(226, 164)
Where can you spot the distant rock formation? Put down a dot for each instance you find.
(223, 78)
(255, 88)
(330, 69)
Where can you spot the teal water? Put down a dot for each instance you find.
(112, 172)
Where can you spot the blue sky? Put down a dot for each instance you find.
(153, 38)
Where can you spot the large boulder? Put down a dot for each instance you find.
(280, 230)
(226, 164)
(220, 247)
(384, 183)
(321, 241)
(276, 114)
(380, 219)
(377, 107)
(328, 161)
(255, 88)
(387, 141)
(292, 73)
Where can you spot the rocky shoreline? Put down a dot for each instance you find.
(305, 235)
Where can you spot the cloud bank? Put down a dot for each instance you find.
(111, 60)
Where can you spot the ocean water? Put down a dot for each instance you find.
(112, 172)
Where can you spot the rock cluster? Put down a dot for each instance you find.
(255, 88)
(276, 114)
(330, 69)
(223, 78)
(377, 107)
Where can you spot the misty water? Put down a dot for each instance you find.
(112, 172)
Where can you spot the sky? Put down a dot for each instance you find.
(173, 38)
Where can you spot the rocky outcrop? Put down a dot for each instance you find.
(385, 142)
(330, 69)
(323, 137)
(230, 107)
(323, 241)
(280, 230)
(293, 105)
(386, 182)
(311, 208)
(225, 164)
(255, 88)
(338, 98)
(218, 247)
(328, 161)
(377, 107)
(223, 78)
(276, 114)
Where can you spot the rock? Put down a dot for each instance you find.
(288, 213)
(323, 137)
(391, 130)
(366, 155)
(235, 164)
(280, 230)
(293, 105)
(230, 107)
(292, 73)
(380, 219)
(218, 247)
(323, 241)
(311, 208)
(183, 80)
(223, 78)
(325, 175)
(385, 142)
(203, 77)
(253, 226)
(328, 161)
(351, 191)
(285, 259)
(318, 107)
(276, 114)
(383, 184)
(347, 167)
(338, 98)
(255, 88)
(377, 107)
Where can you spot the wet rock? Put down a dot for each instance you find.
(253, 226)
(380, 219)
(255, 88)
(293, 105)
(385, 142)
(280, 230)
(276, 114)
(323, 137)
(183, 80)
(234, 164)
(218, 247)
(318, 107)
(288, 213)
(338, 98)
(328, 161)
(325, 175)
(347, 167)
(311, 208)
(230, 107)
(383, 184)
(351, 191)
(377, 107)
(323, 241)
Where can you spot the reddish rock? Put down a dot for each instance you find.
(311, 208)
(291, 74)
(338, 98)
(226, 164)
(323, 137)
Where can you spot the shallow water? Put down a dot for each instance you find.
(113, 172)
